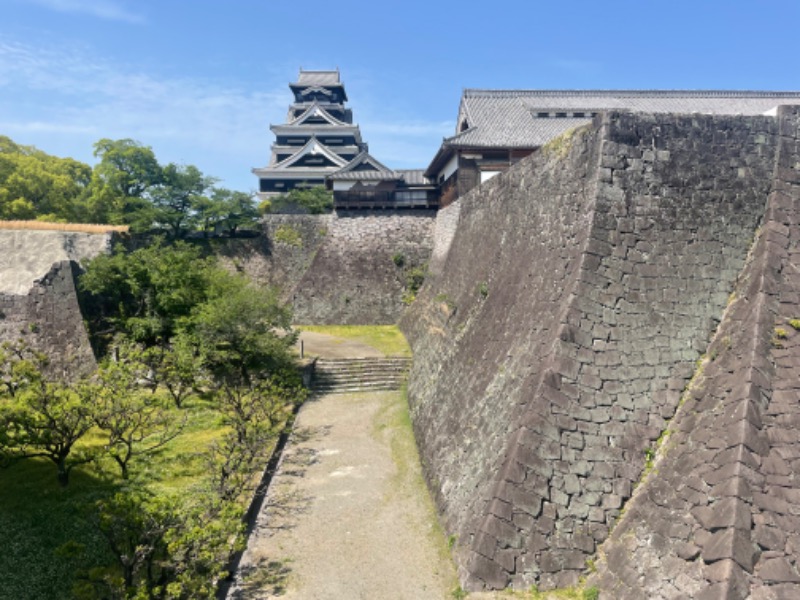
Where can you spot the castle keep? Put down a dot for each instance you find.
(319, 145)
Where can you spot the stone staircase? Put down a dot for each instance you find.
(343, 375)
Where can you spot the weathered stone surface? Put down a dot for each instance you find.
(350, 273)
(778, 570)
(38, 296)
(730, 544)
(604, 288)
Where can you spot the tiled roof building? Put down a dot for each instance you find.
(318, 138)
(496, 128)
(320, 145)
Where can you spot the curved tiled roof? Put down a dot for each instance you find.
(509, 118)
(379, 171)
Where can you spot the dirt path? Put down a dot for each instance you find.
(348, 516)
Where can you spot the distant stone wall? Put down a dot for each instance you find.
(443, 233)
(581, 287)
(350, 267)
(359, 273)
(38, 297)
(26, 255)
(281, 256)
(49, 319)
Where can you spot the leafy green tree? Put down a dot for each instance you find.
(179, 368)
(165, 547)
(245, 332)
(145, 293)
(40, 417)
(256, 415)
(134, 419)
(135, 525)
(315, 200)
(233, 209)
(176, 199)
(36, 185)
(125, 172)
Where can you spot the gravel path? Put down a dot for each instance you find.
(348, 516)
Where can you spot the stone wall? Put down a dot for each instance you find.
(38, 298)
(444, 231)
(359, 273)
(281, 256)
(49, 319)
(719, 515)
(350, 267)
(581, 287)
(28, 254)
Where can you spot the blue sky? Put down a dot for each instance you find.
(201, 80)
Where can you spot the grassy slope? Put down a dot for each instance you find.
(385, 338)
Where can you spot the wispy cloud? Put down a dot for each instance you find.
(111, 10)
(55, 97)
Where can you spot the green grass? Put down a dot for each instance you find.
(384, 338)
(37, 517)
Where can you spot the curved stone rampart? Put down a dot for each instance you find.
(579, 291)
(719, 515)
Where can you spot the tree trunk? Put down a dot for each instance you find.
(63, 472)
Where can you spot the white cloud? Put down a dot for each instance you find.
(63, 100)
(111, 10)
(13, 127)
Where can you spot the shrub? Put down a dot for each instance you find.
(286, 234)
(316, 200)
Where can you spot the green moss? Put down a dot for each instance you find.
(286, 234)
(560, 146)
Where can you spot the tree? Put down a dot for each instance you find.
(120, 180)
(227, 209)
(245, 332)
(134, 418)
(135, 525)
(315, 200)
(176, 199)
(39, 417)
(180, 368)
(145, 293)
(36, 185)
(256, 414)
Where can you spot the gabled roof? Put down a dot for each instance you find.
(527, 119)
(510, 118)
(364, 167)
(316, 110)
(312, 146)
